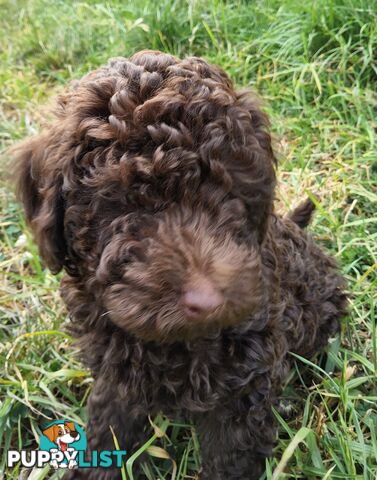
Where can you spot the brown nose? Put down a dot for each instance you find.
(201, 299)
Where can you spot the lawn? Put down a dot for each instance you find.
(314, 64)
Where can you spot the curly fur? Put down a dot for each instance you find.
(158, 177)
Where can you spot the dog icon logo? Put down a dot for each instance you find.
(62, 434)
(63, 439)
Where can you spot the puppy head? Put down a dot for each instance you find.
(62, 433)
(155, 187)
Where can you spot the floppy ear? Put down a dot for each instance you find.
(51, 433)
(39, 188)
(70, 425)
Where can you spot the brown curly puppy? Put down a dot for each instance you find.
(154, 191)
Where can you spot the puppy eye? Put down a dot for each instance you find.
(242, 234)
(60, 432)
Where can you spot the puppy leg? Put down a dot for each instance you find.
(236, 441)
(105, 410)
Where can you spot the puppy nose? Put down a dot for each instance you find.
(201, 300)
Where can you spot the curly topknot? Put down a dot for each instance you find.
(151, 116)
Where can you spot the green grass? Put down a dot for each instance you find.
(314, 63)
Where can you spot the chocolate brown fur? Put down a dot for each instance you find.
(158, 178)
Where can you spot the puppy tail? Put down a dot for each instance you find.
(302, 214)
